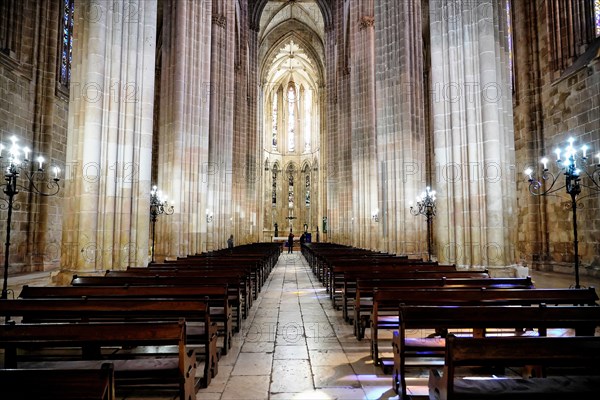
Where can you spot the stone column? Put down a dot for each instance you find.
(400, 124)
(183, 129)
(338, 167)
(248, 155)
(364, 231)
(473, 133)
(109, 147)
(220, 146)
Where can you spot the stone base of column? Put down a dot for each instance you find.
(64, 277)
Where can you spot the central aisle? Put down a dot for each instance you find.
(294, 345)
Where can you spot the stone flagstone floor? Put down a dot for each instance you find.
(294, 345)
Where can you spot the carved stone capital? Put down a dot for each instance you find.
(366, 21)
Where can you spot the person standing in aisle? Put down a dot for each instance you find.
(290, 241)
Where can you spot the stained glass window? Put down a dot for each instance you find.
(275, 115)
(307, 198)
(291, 191)
(66, 42)
(597, 16)
(510, 44)
(307, 119)
(274, 187)
(291, 118)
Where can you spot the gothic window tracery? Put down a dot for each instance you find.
(66, 43)
(291, 190)
(274, 187)
(291, 93)
(274, 120)
(307, 119)
(597, 16)
(307, 184)
(510, 44)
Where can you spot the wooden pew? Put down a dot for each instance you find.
(388, 300)
(429, 351)
(209, 276)
(334, 276)
(364, 285)
(253, 274)
(581, 353)
(341, 275)
(363, 305)
(220, 310)
(59, 384)
(179, 370)
(238, 296)
(201, 331)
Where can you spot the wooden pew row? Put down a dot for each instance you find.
(254, 275)
(558, 356)
(237, 294)
(237, 281)
(59, 384)
(265, 254)
(177, 370)
(217, 297)
(337, 275)
(201, 331)
(429, 351)
(385, 303)
(333, 271)
(251, 278)
(327, 266)
(363, 305)
(360, 295)
(319, 255)
(238, 284)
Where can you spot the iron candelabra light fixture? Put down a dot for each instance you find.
(573, 164)
(158, 206)
(37, 183)
(426, 206)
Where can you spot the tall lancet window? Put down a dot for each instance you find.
(308, 98)
(510, 44)
(291, 118)
(66, 44)
(597, 16)
(307, 184)
(291, 191)
(274, 188)
(274, 120)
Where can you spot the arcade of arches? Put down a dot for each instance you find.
(316, 115)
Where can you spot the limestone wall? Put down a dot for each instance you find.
(34, 110)
(554, 99)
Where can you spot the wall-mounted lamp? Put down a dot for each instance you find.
(209, 216)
